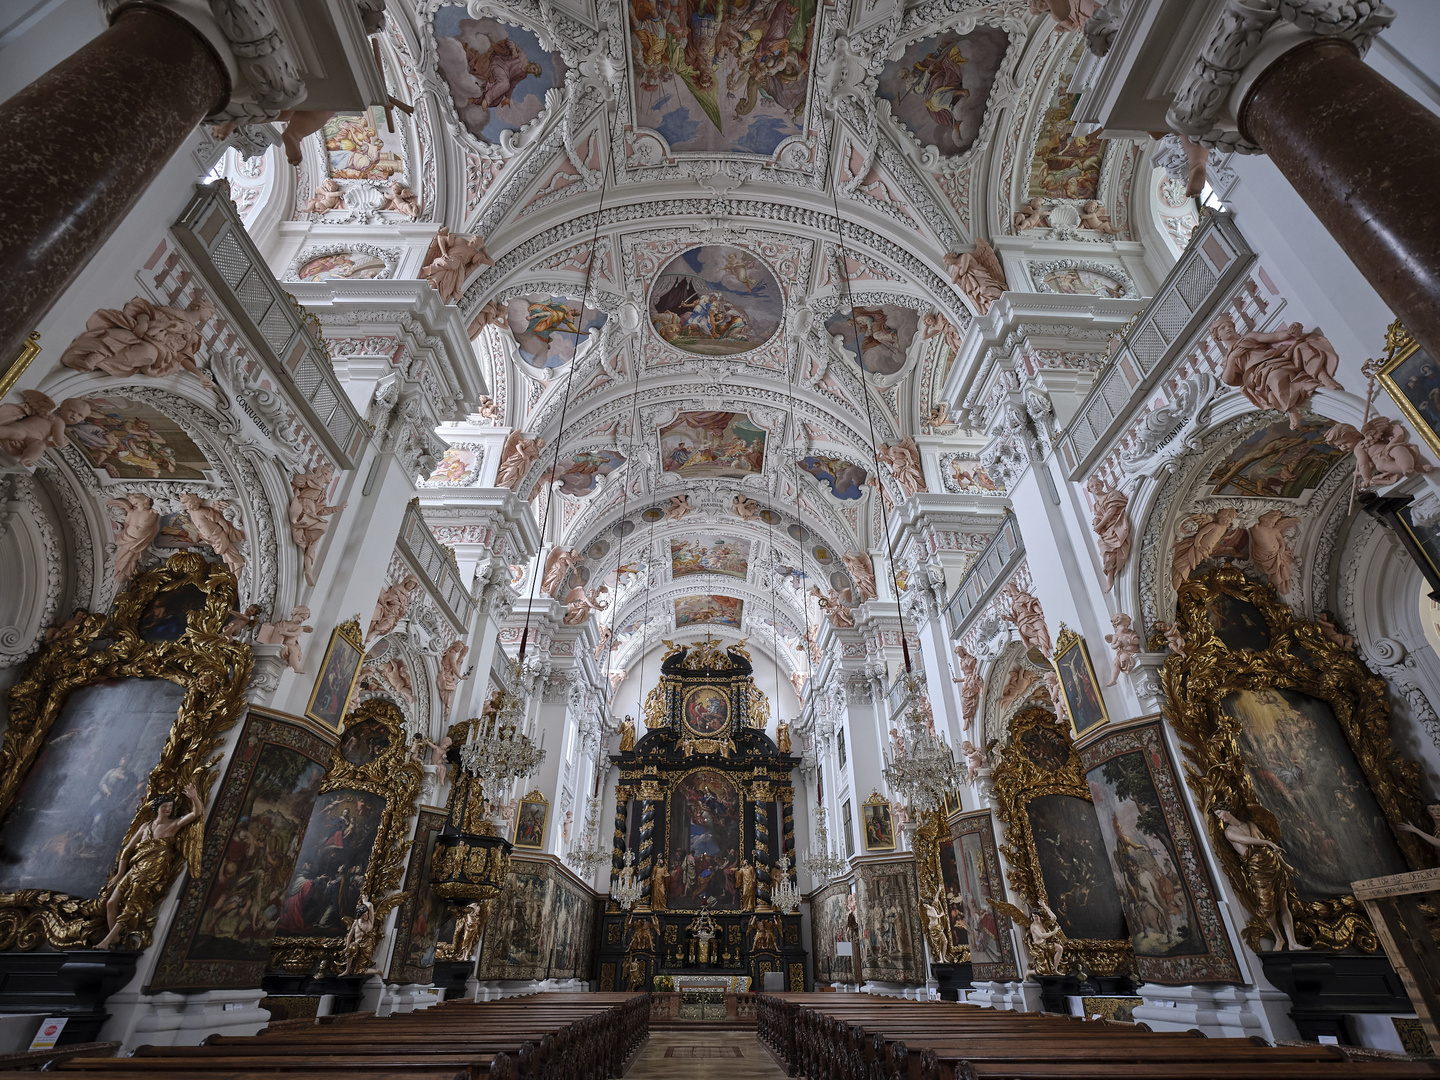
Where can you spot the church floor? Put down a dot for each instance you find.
(696, 1055)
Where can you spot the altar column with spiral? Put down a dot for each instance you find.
(649, 795)
(623, 795)
(762, 798)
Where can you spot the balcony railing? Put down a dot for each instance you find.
(993, 565)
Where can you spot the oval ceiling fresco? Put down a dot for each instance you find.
(716, 301)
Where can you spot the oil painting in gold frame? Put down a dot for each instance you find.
(1411, 376)
(1083, 700)
(530, 820)
(877, 826)
(339, 672)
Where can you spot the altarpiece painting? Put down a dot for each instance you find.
(426, 918)
(977, 861)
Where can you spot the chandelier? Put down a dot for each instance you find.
(920, 764)
(498, 749)
(588, 857)
(626, 889)
(784, 895)
(823, 863)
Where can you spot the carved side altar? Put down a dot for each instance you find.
(705, 801)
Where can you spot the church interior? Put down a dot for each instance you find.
(874, 539)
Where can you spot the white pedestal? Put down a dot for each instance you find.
(1220, 1012)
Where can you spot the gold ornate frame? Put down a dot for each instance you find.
(724, 729)
(927, 840)
(1066, 640)
(535, 798)
(876, 799)
(1017, 780)
(1298, 658)
(1400, 346)
(394, 778)
(28, 351)
(90, 648)
(347, 634)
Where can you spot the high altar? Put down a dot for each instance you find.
(705, 802)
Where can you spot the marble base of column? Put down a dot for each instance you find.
(1364, 156)
(83, 142)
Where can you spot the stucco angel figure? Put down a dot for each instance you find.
(1265, 869)
(935, 323)
(1174, 637)
(602, 641)
(286, 633)
(451, 258)
(402, 200)
(580, 602)
(678, 508)
(1043, 934)
(1382, 449)
(450, 673)
(30, 428)
(836, 606)
(327, 197)
(558, 563)
(488, 409)
(745, 509)
(392, 605)
(222, 534)
(939, 416)
(363, 931)
(975, 758)
(971, 685)
(138, 531)
(1433, 836)
(1333, 633)
(1111, 525)
(516, 457)
(1093, 216)
(1193, 549)
(1126, 643)
(1017, 685)
(1270, 547)
(1029, 618)
(397, 673)
(1277, 370)
(1056, 695)
(978, 274)
(141, 339)
(147, 864)
(903, 460)
(309, 513)
(240, 622)
(1035, 216)
(862, 572)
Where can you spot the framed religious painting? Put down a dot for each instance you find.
(530, 819)
(1056, 851)
(1420, 539)
(879, 824)
(1411, 376)
(226, 920)
(705, 711)
(353, 848)
(1083, 700)
(941, 899)
(977, 866)
(426, 918)
(1171, 904)
(339, 672)
(1257, 715)
(109, 732)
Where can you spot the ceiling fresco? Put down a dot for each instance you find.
(497, 75)
(716, 301)
(940, 85)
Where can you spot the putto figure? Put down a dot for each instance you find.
(27, 430)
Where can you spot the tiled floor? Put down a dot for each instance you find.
(690, 1057)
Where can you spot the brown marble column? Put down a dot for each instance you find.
(1364, 155)
(83, 142)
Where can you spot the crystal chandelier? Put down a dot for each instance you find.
(823, 863)
(589, 855)
(784, 895)
(498, 749)
(626, 889)
(920, 764)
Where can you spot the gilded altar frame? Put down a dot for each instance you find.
(396, 779)
(1299, 657)
(90, 648)
(927, 842)
(1019, 779)
(1401, 347)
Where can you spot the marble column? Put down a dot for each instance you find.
(83, 142)
(1364, 156)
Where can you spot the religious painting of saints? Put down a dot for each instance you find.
(228, 914)
(330, 869)
(359, 146)
(977, 862)
(702, 444)
(704, 826)
(716, 301)
(530, 821)
(128, 440)
(548, 330)
(1237, 623)
(364, 741)
(423, 913)
(966, 476)
(1411, 376)
(722, 79)
(458, 466)
(1305, 773)
(1080, 687)
(167, 617)
(884, 333)
(939, 87)
(706, 710)
(879, 827)
(1075, 867)
(891, 947)
(1166, 891)
(724, 610)
(845, 479)
(710, 555)
(498, 75)
(954, 913)
(516, 941)
(1278, 463)
(339, 672)
(1065, 165)
(71, 811)
(579, 473)
(827, 929)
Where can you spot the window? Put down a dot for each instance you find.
(846, 817)
(841, 735)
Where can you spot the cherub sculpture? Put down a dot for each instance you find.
(147, 865)
(1126, 643)
(1382, 449)
(240, 622)
(402, 200)
(678, 508)
(975, 758)
(1035, 217)
(286, 633)
(1094, 217)
(745, 509)
(1174, 637)
(27, 430)
(1333, 633)
(327, 197)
